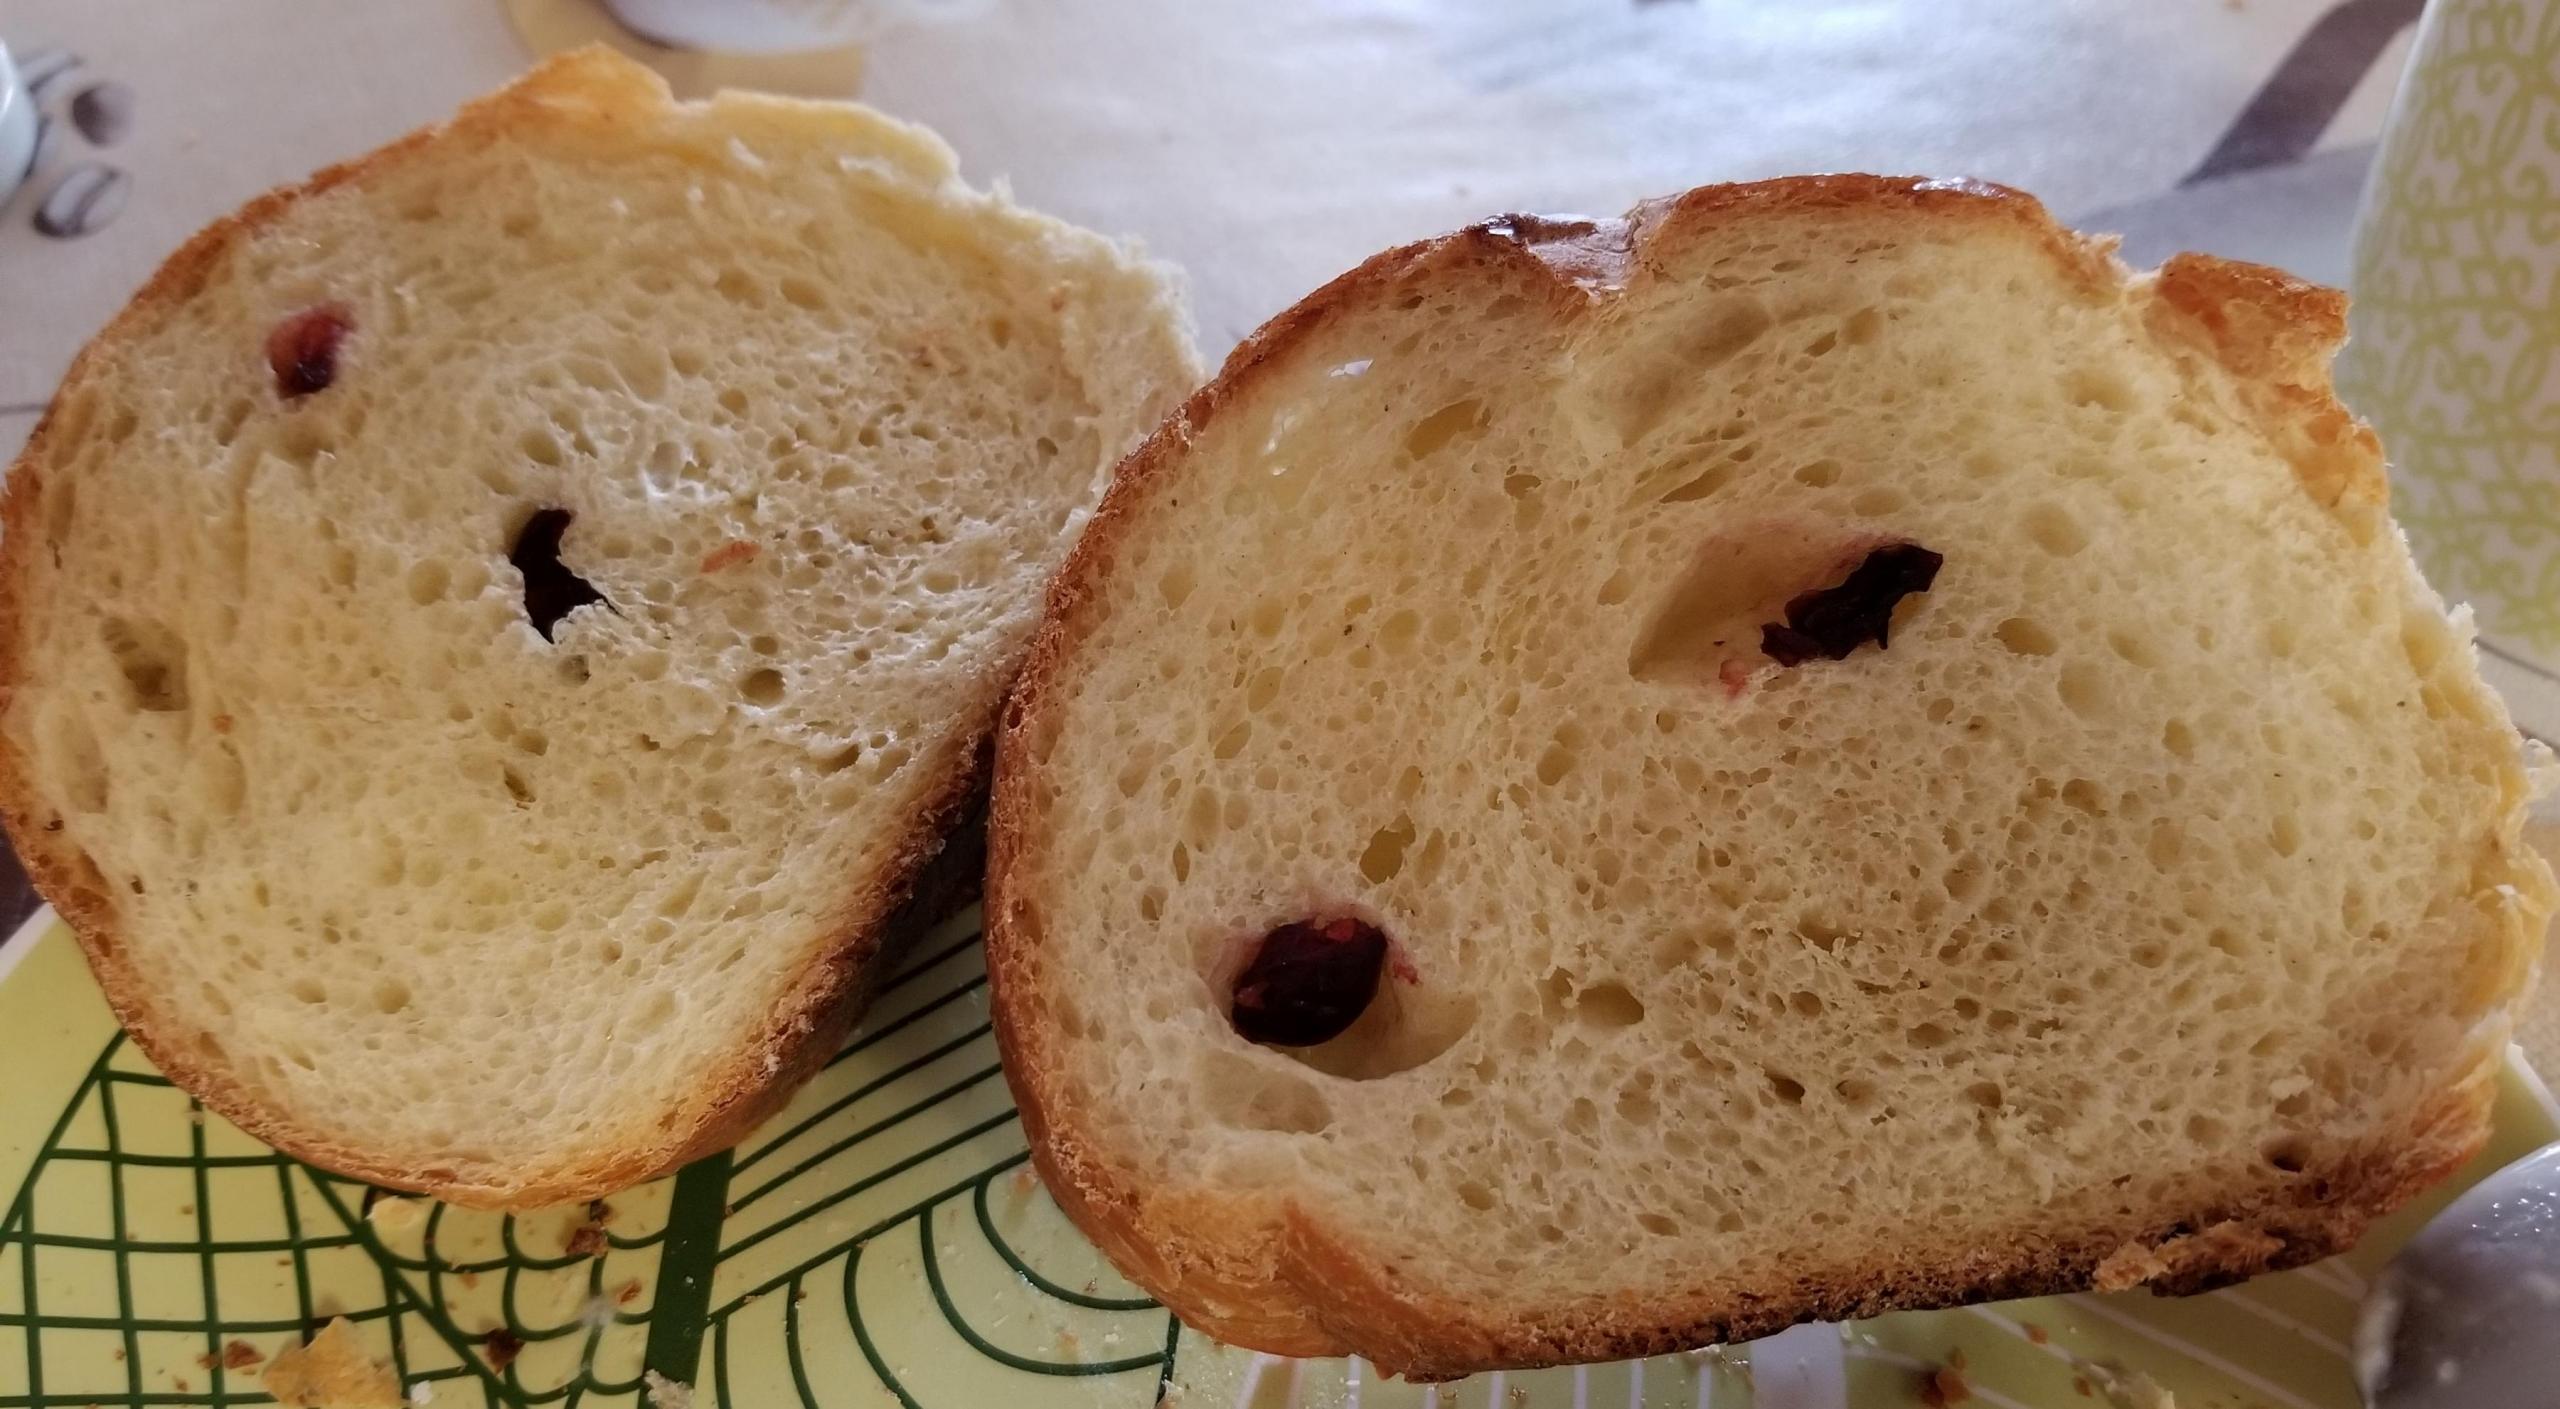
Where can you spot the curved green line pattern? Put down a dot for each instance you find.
(877, 1084)
(144, 1225)
(431, 1292)
(996, 1353)
(791, 1342)
(1024, 1270)
(862, 1336)
(880, 1126)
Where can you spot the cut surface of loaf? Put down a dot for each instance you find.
(2132, 895)
(490, 634)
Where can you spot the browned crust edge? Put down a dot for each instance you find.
(822, 1000)
(1266, 1273)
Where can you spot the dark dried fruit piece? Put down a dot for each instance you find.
(551, 590)
(303, 349)
(1308, 981)
(588, 1238)
(1830, 622)
(502, 1347)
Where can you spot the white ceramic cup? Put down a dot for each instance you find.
(2456, 350)
(17, 126)
(743, 26)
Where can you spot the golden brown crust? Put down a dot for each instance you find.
(824, 999)
(1260, 1271)
(2274, 334)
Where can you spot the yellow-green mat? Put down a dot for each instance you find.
(882, 1242)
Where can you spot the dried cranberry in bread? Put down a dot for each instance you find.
(491, 634)
(1895, 763)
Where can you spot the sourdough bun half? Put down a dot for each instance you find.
(1897, 764)
(491, 633)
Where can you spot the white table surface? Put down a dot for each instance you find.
(1266, 147)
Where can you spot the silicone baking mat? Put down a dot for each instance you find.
(882, 1242)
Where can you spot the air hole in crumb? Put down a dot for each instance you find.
(390, 995)
(1466, 418)
(2178, 738)
(1383, 859)
(428, 581)
(1647, 385)
(1704, 484)
(1555, 763)
(1287, 1105)
(2291, 1154)
(1608, 1004)
(2052, 528)
(152, 661)
(2026, 637)
(1785, 1088)
(2099, 387)
(763, 687)
(2084, 690)
(516, 786)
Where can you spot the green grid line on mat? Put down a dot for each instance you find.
(326, 1215)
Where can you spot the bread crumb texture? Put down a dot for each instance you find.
(2150, 897)
(465, 740)
(332, 1371)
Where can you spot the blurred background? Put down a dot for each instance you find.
(1264, 147)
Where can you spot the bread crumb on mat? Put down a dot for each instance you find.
(665, 1393)
(332, 1371)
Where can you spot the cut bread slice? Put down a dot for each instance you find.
(492, 633)
(1615, 785)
